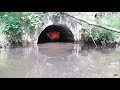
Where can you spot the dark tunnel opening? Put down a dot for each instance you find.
(65, 35)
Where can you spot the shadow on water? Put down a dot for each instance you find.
(56, 60)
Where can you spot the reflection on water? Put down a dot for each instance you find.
(59, 60)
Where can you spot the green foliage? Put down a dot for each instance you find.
(56, 15)
(33, 19)
(100, 34)
(13, 23)
(109, 19)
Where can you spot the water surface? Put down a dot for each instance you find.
(59, 60)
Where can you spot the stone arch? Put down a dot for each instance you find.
(65, 34)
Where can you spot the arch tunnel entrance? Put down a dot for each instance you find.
(56, 33)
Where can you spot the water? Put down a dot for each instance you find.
(59, 60)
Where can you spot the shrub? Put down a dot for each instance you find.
(12, 20)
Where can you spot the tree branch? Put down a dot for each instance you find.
(97, 25)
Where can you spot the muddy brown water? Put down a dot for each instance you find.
(59, 60)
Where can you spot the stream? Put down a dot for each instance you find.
(59, 60)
